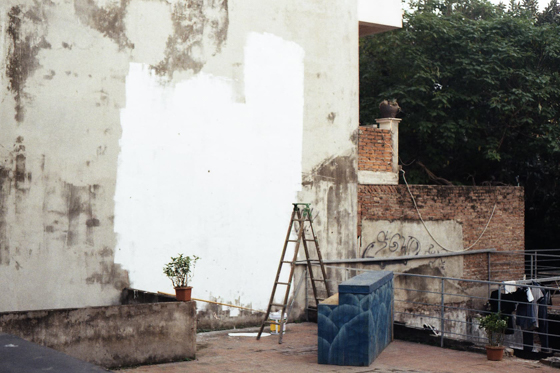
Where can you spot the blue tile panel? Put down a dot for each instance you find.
(358, 329)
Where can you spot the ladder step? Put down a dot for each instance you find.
(304, 233)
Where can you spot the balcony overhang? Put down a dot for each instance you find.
(377, 16)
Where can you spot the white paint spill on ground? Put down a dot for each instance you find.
(201, 174)
(248, 334)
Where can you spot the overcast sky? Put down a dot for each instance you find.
(542, 3)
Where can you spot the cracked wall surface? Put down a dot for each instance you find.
(264, 92)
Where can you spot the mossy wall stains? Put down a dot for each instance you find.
(26, 32)
(4, 192)
(62, 89)
(63, 71)
(199, 32)
(108, 20)
(335, 177)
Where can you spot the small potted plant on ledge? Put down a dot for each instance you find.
(495, 326)
(180, 272)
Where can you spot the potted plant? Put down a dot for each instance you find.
(180, 272)
(495, 326)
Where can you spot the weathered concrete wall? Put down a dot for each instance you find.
(62, 86)
(134, 130)
(112, 336)
(211, 316)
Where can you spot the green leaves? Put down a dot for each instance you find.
(479, 87)
(495, 325)
(180, 269)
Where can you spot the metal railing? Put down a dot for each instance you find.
(449, 307)
(537, 264)
(453, 310)
(534, 264)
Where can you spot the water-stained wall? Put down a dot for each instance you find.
(62, 89)
(132, 130)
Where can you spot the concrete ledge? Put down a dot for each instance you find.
(378, 178)
(365, 283)
(379, 16)
(112, 336)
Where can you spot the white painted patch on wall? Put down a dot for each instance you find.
(201, 174)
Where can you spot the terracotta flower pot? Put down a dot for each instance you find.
(183, 293)
(495, 353)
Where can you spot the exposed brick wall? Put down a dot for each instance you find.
(375, 150)
(470, 206)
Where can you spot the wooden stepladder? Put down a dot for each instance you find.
(301, 221)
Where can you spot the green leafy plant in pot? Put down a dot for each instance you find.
(180, 272)
(494, 324)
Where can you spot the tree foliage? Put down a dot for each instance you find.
(479, 85)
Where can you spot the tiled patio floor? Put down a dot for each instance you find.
(218, 352)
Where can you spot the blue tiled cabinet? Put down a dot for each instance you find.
(360, 326)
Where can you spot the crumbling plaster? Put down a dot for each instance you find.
(66, 69)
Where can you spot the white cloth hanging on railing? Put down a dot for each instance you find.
(508, 289)
(530, 296)
(537, 295)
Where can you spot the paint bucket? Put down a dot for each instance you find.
(275, 328)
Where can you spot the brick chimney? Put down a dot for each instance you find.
(378, 152)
